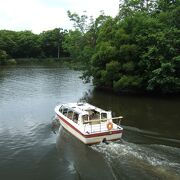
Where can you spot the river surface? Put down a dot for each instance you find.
(31, 150)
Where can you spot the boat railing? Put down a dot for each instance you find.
(97, 126)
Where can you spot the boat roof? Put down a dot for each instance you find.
(83, 108)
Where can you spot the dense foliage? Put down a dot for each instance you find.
(25, 44)
(138, 50)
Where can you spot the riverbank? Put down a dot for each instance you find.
(139, 93)
(36, 61)
(63, 61)
(70, 63)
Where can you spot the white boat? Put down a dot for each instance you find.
(88, 123)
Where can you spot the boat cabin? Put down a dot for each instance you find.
(83, 113)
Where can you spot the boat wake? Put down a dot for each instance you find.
(55, 124)
(145, 159)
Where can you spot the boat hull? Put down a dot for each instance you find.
(91, 138)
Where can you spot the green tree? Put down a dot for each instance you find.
(28, 45)
(138, 49)
(52, 43)
(3, 57)
(80, 22)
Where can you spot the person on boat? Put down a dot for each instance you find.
(75, 118)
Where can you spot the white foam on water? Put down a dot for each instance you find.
(71, 168)
(147, 155)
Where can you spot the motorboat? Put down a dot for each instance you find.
(89, 123)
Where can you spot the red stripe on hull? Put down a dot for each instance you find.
(90, 135)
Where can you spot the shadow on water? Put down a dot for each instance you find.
(81, 161)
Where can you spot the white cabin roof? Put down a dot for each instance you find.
(83, 108)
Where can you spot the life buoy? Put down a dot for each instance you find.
(109, 125)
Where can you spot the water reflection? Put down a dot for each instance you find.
(158, 115)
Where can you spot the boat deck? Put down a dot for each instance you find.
(97, 128)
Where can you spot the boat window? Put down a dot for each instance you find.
(93, 114)
(75, 117)
(96, 115)
(70, 114)
(65, 110)
(103, 115)
(61, 109)
(85, 117)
